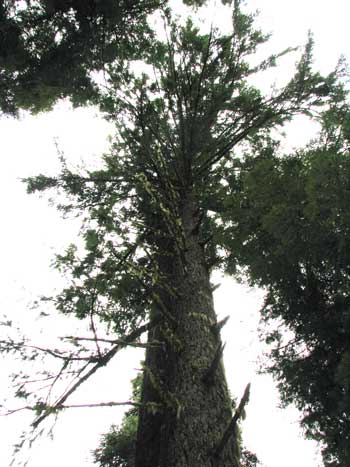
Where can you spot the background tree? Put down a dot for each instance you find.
(290, 235)
(117, 447)
(154, 231)
(51, 49)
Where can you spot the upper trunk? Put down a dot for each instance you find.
(184, 376)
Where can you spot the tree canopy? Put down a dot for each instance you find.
(291, 222)
(52, 49)
(199, 87)
(193, 181)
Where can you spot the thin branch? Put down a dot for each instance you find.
(112, 341)
(100, 404)
(59, 374)
(92, 323)
(54, 408)
(54, 353)
(102, 362)
(203, 70)
(12, 411)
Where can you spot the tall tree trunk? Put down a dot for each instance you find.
(184, 377)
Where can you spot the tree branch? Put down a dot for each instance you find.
(102, 362)
(112, 341)
(231, 429)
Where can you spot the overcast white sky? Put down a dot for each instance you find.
(32, 232)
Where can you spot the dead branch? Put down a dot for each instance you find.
(52, 409)
(100, 404)
(231, 429)
(209, 374)
(112, 341)
(216, 328)
(102, 362)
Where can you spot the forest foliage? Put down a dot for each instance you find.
(279, 221)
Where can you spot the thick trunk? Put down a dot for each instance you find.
(185, 377)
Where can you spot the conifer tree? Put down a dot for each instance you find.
(154, 216)
(297, 207)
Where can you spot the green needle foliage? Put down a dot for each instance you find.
(51, 49)
(178, 194)
(176, 131)
(290, 235)
(117, 447)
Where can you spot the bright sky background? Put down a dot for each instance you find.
(32, 232)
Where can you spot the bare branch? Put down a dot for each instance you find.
(99, 404)
(52, 409)
(92, 323)
(54, 353)
(102, 362)
(112, 341)
(209, 374)
(233, 424)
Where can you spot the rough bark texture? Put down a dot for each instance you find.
(182, 375)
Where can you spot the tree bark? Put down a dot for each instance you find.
(184, 378)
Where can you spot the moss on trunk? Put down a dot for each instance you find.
(185, 375)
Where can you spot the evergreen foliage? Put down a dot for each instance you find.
(51, 49)
(192, 181)
(290, 217)
(117, 447)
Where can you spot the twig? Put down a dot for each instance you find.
(112, 341)
(102, 362)
(100, 404)
(50, 409)
(92, 324)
